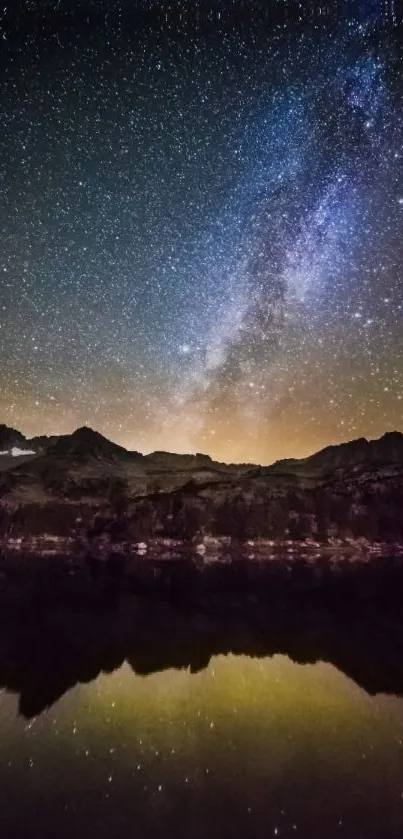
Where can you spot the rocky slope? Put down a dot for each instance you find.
(354, 454)
(14, 445)
(87, 487)
(10, 437)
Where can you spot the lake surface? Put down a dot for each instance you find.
(245, 700)
(246, 747)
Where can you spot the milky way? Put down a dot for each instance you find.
(201, 211)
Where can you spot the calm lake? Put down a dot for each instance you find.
(173, 700)
(251, 747)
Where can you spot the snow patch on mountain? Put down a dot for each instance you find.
(17, 452)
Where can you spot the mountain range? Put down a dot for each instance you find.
(82, 485)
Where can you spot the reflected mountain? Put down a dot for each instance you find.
(47, 649)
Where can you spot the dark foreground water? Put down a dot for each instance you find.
(246, 747)
(135, 716)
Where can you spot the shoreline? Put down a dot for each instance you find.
(208, 549)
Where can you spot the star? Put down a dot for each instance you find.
(201, 240)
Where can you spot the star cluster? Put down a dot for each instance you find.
(201, 210)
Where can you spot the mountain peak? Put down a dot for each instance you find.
(10, 437)
(85, 432)
(85, 442)
(180, 461)
(385, 449)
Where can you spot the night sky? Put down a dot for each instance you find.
(201, 215)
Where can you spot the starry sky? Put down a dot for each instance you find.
(201, 214)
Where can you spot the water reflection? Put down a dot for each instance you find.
(204, 710)
(46, 651)
(245, 747)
